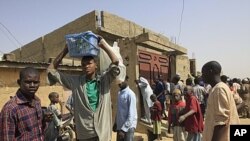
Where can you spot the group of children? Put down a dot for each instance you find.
(184, 116)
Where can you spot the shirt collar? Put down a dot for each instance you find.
(21, 99)
(125, 89)
(97, 78)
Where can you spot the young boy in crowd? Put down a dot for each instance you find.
(52, 132)
(193, 119)
(175, 111)
(156, 111)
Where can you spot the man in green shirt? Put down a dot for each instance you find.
(91, 94)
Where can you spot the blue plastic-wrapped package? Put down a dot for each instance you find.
(82, 44)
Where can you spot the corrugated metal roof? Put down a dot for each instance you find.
(38, 65)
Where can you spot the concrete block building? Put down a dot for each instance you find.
(144, 52)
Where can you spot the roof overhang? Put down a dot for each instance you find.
(160, 43)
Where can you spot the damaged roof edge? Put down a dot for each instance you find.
(160, 40)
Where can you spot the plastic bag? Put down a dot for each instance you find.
(105, 62)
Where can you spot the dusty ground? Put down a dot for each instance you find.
(143, 137)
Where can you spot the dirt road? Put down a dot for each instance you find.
(143, 137)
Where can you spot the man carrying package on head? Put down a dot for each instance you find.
(91, 94)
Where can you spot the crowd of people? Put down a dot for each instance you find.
(201, 109)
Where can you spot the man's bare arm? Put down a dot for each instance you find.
(105, 46)
(59, 58)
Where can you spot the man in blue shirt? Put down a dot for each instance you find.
(126, 117)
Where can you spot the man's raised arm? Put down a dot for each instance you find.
(59, 58)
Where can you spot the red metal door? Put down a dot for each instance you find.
(152, 65)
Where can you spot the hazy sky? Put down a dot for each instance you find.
(210, 30)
